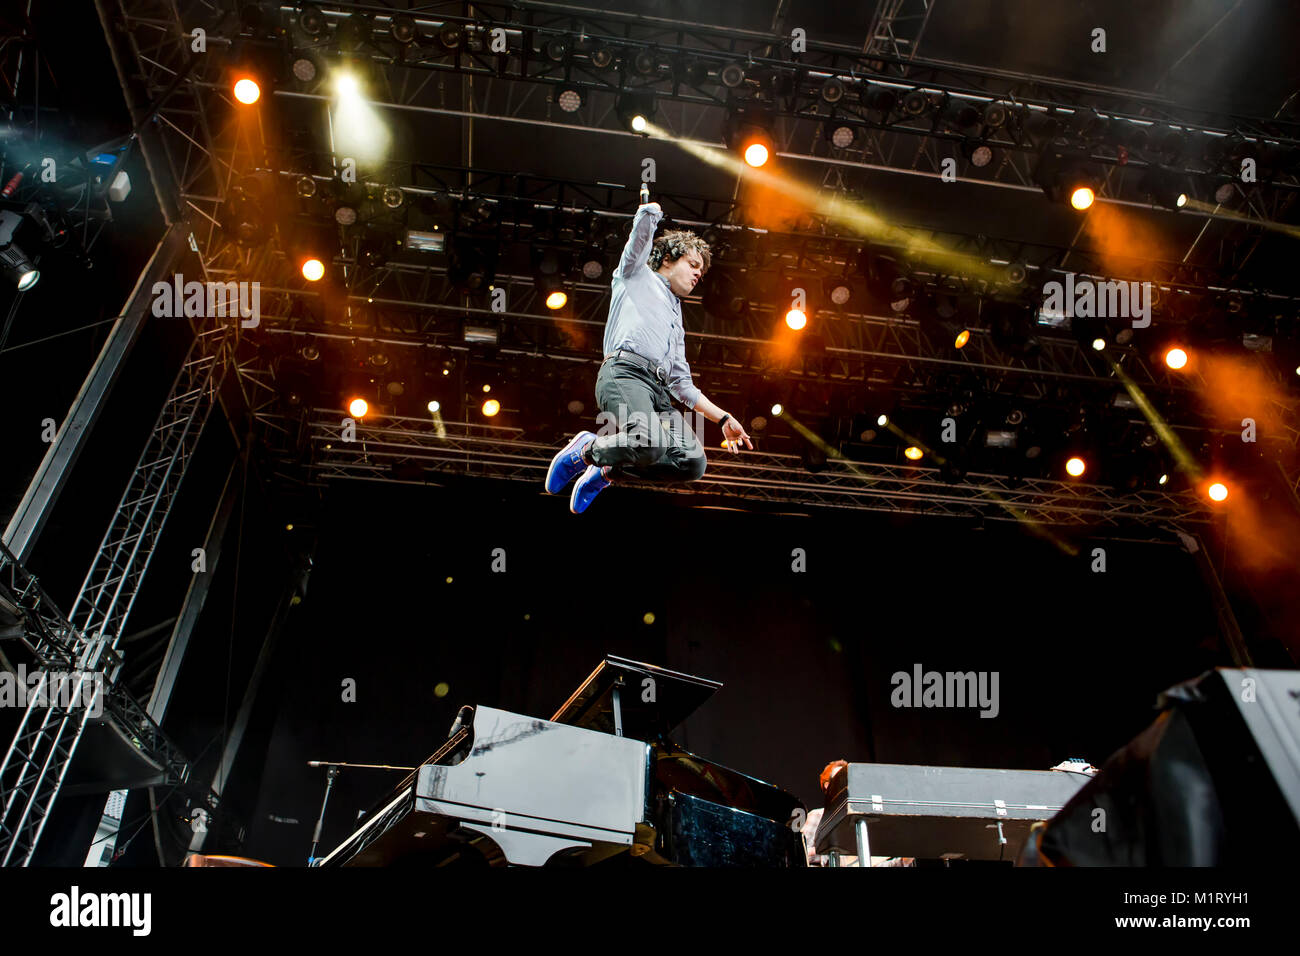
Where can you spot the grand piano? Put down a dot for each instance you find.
(599, 783)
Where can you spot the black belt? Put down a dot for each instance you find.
(627, 355)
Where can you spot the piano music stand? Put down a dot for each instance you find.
(603, 702)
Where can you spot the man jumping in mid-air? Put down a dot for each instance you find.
(644, 368)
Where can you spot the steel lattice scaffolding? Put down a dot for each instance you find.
(43, 747)
(417, 450)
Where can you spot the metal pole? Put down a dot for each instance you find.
(26, 523)
(864, 844)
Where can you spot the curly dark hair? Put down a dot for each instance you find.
(674, 244)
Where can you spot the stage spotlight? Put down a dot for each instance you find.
(634, 110)
(358, 407)
(961, 116)
(569, 98)
(749, 133)
(1176, 358)
(886, 280)
(778, 410)
(491, 407)
(556, 300)
(1098, 345)
(311, 20)
(247, 91)
(995, 115)
(979, 153)
(962, 337)
(1075, 467)
(1082, 197)
(832, 90)
(732, 75)
(345, 214)
(915, 103)
(796, 319)
(449, 37)
(1164, 479)
(601, 57)
(353, 33)
(434, 406)
(556, 48)
(19, 269)
(1066, 178)
(882, 420)
(900, 294)
(14, 261)
(472, 265)
(306, 187)
(1164, 187)
(313, 269)
(837, 290)
(402, 28)
(593, 268)
(913, 453)
(878, 98)
(690, 72)
(1218, 491)
(644, 63)
(304, 68)
(840, 134)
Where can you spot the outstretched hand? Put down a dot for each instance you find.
(734, 433)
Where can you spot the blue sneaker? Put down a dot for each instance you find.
(568, 464)
(592, 483)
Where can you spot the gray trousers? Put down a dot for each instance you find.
(640, 434)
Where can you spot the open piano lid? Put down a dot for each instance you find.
(676, 697)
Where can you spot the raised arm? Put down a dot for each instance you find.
(637, 251)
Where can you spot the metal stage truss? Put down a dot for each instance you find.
(417, 451)
(887, 141)
(196, 150)
(43, 747)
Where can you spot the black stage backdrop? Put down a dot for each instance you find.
(806, 657)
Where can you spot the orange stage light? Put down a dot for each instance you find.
(756, 154)
(1218, 491)
(246, 90)
(358, 407)
(796, 319)
(313, 269)
(1176, 358)
(1075, 467)
(1082, 197)
(556, 300)
(491, 407)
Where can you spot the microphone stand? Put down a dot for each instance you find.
(331, 772)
